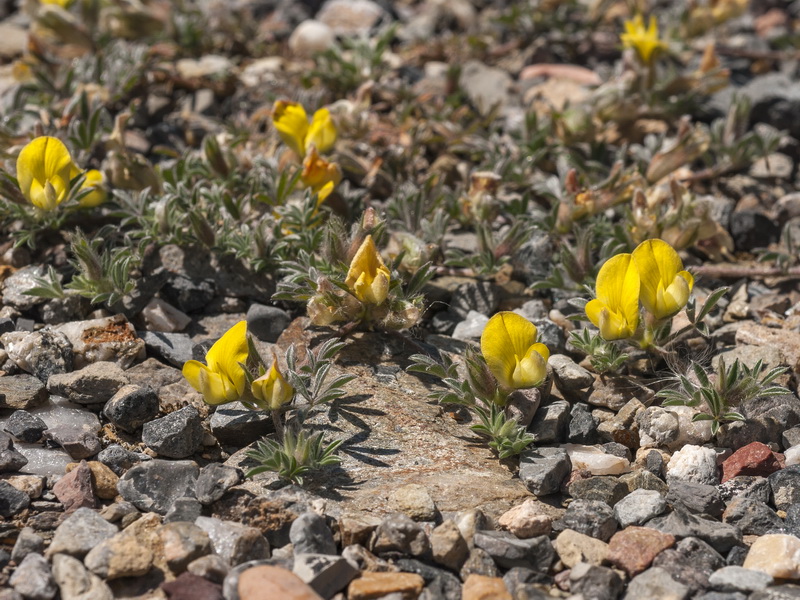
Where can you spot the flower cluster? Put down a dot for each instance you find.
(46, 172)
(644, 41)
(652, 275)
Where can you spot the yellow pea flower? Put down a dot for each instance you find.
(93, 180)
(271, 389)
(368, 277)
(318, 172)
(644, 41)
(513, 355)
(223, 379)
(44, 170)
(665, 285)
(615, 310)
(291, 121)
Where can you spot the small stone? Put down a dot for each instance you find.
(399, 533)
(131, 407)
(10, 459)
(116, 458)
(693, 463)
(785, 486)
(76, 442)
(569, 376)
(235, 425)
(691, 562)
(634, 548)
(573, 547)
(41, 353)
(681, 524)
(311, 37)
(478, 296)
(480, 587)
(595, 460)
(525, 520)
(22, 392)
(777, 555)
(591, 517)
(310, 534)
(543, 470)
(739, 579)
(155, 485)
(582, 425)
(75, 582)
(94, 384)
(378, 585)
(267, 323)
(21, 281)
(750, 229)
(28, 541)
(234, 542)
(183, 542)
(191, 587)
(178, 435)
(754, 459)
(80, 532)
(24, 426)
(325, 574)
(471, 327)
(119, 556)
(414, 501)
(33, 578)
(357, 528)
(108, 339)
(104, 480)
(657, 426)
(160, 316)
(188, 294)
(75, 490)
(479, 562)
(486, 87)
(752, 517)
(448, 546)
(12, 500)
(523, 404)
(656, 583)
(605, 488)
(638, 507)
(265, 582)
(508, 551)
(214, 480)
(118, 511)
(183, 509)
(211, 567)
(697, 498)
(172, 348)
(550, 423)
(596, 582)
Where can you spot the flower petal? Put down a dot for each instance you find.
(45, 159)
(659, 265)
(506, 341)
(321, 132)
(226, 354)
(291, 122)
(368, 277)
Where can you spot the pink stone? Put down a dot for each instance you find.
(754, 459)
(634, 548)
(75, 490)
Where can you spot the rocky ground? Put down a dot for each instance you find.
(117, 480)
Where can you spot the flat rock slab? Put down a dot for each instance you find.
(393, 433)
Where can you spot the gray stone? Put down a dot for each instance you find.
(12, 500)
(173, 348)
(693, 463)
(486, 87)
(478, 296)
(787, 591)
(413, 500)
(766, 420)
(471, 327)
(480, 563)
(327, 574)
(80, 532)
(697, 498)
(28, 541)
(131, 407)
(595, 582)
(543, 470)
(582, 425)
(236, 425)
(569, 376)
(118, 459)
(18, 283)
(691, 562)
(657, 426)
(310, 534)
(77, 443)
(655, 583)
(398, 533)
(438, 582)
(589, 517)
(751, 229)
(24, 426)
(22, 392)
(550, 422)
(155, 485)
(41, 353)
(188, 294)
(266, 323)
(177, 435)
(790, 437)
(785, 486)
(638, 507)
(720, 536)
(33, 578)
(739, 579)
(184, 509)
(183, 542)
(211, 567)
(752, 517)
(94, 384)
(10, 459)
(721, 596)
(214, 480)
(605, 488)
(508, 551)
(753, 487)
(233, 542)
(551, 334)
(76, 582)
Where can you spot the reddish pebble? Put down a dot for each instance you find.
(634, 548)
(754, 459)
(75, 490)
(192, 587)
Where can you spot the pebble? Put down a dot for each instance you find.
(638, 507)
(156, 484)
(233, 542)
(183, 509)
(569, 376)
(41, 353)
(573, 547)
(413, 500)
(131, 407)
(596, 582)
(78, 443)
(266, 323)
(543, 469)
(310, 534)
(480, 587)
(697, 498)
(12, 500)
(76, 582)
(191, 587)
(183, 542)
(94, 384)
(605, 488)
(693, 463)
(582, 425)
(550, 423)
(785, 486)
(634, 548)
(310, 37)
(508, 551)
(378, 585)
(33, 578)
(210, 566)
(28, 541)
(777, 555)
(739, 579)
(173, 348)
(448, 546)
(189, 295)
(10, 459)
(75, 489)
(80, 532)
(590, 517)
(523, 404)
(116, 458)
(24, 426)
(656, 583)
(525, 520)
(471, 327)
(752, 517)
(754, 459)
(657, 426)
(595, 460)
(177, 435)
(691, 561)
(121, 555)
(399, 533)
(720, 536)
(104, 480)
(326, 574)
(214, 480)
(22, 392)
(107, 339)
(266, 582)
(479, 562)
(236, 425)
(18, 283)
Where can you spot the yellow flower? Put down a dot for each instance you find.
(368, 277)
(94, 180)
(508, 344)
(271, 389)
(223, 380)
(61, 3)
(644, 41)
(318, 172)
(291, 121)
(615, 311)
(665, 285)
(44, 171)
